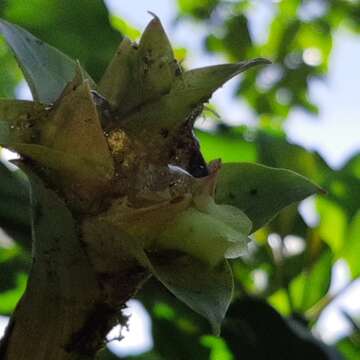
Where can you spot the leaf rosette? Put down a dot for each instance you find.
(122, 156)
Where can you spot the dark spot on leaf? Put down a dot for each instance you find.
(164, 132)
(231, 196)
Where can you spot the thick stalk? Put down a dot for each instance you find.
(68, 307)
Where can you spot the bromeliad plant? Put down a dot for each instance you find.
(120, 191)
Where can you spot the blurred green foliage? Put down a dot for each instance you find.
(272, 318)
(298, 40)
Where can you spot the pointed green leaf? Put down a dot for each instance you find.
(206, 290)
(189, 91)
(18, 120)
(75, 127)
(196, 86)
(69, 165)
(157, 62)
(139, 74)
(119, 75)
(261, 191)
(45, 68)
(73, 143)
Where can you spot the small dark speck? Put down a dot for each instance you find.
(39, 42)
(231, 195)
(253, 191)
(164, 132)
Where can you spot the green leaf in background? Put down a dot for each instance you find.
(124, 27)
(253, 330)
(333, 224)
(289, 221)
(343, 186)
(45, 68)
(352, 246)
(228, 145)
(14, 265)
(9, 298)
(313, 284)
(235, 41)
(74, 27)
(200, 9)
(350, 347)
(219, 348)
(10, 72)
(260, 191)
(353, 166)
(206, 290)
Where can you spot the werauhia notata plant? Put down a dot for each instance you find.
(120, 190)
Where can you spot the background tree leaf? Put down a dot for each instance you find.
(72, 27)
(313, 284)
(248, 324)
(45, 68)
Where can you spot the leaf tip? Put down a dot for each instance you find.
(216, 328)
(321, 191)
(155, 17)
(262, 61)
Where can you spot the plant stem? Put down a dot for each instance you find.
(68, 306)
